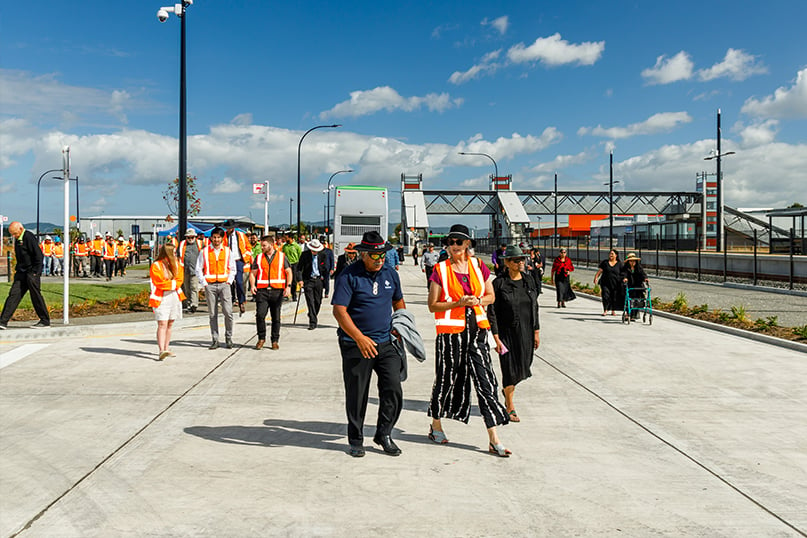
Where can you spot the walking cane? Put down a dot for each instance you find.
(297, 308)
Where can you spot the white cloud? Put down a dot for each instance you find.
(227, 186)
(486, 66)
(242, 119)
(765, 175)
(657, 123)
(553, 50)
(505, 147)
(737, 65)
(500, 24)
(364, 102)
(667, 70)
(562, 161)
(46, 97)
(757, 134)
(785, 103)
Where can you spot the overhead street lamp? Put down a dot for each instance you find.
(718, 155)
(298, 164)
(495, 175)
(39, 181)
(182, 204)
(495, 167)
(328, 198)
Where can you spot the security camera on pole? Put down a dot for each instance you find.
(263, 188)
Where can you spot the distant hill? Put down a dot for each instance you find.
(44, 227)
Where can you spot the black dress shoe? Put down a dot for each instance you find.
(214, 345)
(228, 344)
(387, 444)
(356, 451)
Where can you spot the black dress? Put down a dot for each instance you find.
(611, 288)
(514, 317)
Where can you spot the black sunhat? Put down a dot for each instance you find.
(459, 231)
(373, 242)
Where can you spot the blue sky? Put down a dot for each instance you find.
(541, 87)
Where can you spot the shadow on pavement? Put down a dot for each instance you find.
(174, 343)
(124, 352)
(275, 433)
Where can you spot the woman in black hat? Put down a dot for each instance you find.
(514, 323)
(460, 290)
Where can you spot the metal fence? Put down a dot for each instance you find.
(746, 260)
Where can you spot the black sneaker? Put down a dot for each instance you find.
(40, 325)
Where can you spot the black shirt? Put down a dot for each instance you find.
(29, 255)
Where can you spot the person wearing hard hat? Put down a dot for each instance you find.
(109, 255)
(97, 255)
(81, 251)
(121, 255)
(47, 255)
(58, 257)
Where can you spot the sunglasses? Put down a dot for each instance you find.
(516, 260)
(378, 255)
(451, 241)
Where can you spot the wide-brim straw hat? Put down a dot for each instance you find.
(632, 256)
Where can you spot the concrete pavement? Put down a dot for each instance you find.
(633, 430)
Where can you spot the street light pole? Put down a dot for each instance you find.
(39, 181)
(555, 237)
(718, 156)
(611, 203)
(291, 222)
(328, 215)
(298, 165)
(182, 204)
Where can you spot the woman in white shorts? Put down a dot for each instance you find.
(166, 295)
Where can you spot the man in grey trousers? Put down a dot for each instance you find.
(215, 270)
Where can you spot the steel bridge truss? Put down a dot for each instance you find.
(569, 203)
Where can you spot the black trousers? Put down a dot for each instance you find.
(326, 285)
(429, 270)
(25, 282)
(97, 265)
(271, 300)
(357, 371)
(110, 267)
(312, 287)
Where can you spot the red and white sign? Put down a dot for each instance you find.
(259, 188)
(5, 218)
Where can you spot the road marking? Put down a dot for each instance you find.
(10, 357)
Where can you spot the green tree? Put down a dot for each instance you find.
(171, 196)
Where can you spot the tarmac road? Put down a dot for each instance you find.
(635, 430)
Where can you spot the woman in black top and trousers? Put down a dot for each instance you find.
(514, 323)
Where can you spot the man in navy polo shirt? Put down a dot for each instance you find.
(365, 295)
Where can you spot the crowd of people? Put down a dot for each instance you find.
(102, 257)
(468, 301)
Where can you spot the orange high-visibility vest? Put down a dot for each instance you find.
(47, 248)
(121, 251)
(216, 268)
(109, 251)
(243, 248)
(130, 246)
(161, 281)
(97, 248)
(81, 250)
(184, 245)
(58, 250)
(271, 274)
(453, 321)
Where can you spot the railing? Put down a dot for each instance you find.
(744, 261)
